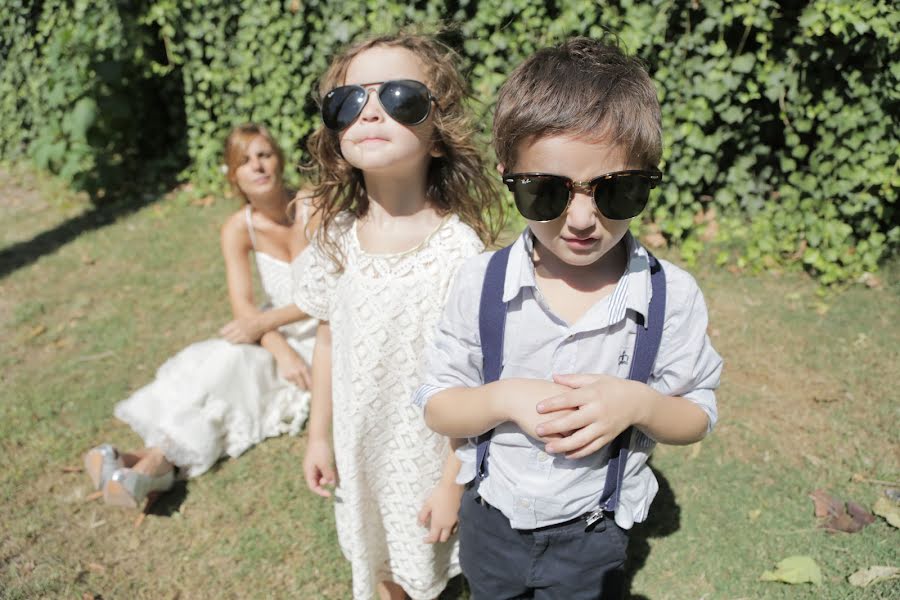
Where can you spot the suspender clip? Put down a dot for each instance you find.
(592, 519)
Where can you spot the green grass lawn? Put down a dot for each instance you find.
(809, 400)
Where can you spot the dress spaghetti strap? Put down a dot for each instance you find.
(248, 215)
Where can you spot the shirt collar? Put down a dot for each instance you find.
(631, 293)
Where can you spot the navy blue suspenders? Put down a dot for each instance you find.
(491, 326)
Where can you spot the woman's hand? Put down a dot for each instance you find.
(245, 330)
(294, 369)
(318, 467)
(440, 513)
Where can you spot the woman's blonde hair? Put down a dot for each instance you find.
(457, 181)
(236, 148)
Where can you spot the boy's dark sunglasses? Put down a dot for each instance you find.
(407, 101)
(618, 196)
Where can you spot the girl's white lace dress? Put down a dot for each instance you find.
(382, 309)
(215, 398)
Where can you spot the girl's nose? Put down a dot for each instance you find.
(582, 212)
(372, 110)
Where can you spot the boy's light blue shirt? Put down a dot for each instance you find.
(534, 489)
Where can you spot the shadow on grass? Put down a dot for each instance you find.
(169, 503)
(664, 519)
(22, 254)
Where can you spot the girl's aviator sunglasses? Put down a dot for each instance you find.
(406, 101)
(618, 196)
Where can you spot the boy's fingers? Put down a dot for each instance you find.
(564, 424)
(587, 450)
(575, 380)
(560, 402)
(445, 534)
(576, 441)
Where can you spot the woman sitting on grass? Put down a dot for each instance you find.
(220, 397)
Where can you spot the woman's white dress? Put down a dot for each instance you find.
(215, 398)
(383, 309)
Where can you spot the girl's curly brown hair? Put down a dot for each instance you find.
(457, 181)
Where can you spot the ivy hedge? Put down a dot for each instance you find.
(780, 118)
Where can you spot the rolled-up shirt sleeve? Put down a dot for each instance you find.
(687, 365)
(453, 356)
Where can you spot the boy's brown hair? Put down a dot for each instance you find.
(584, 88)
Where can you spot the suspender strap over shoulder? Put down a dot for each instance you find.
(491, 326)
(646, 346)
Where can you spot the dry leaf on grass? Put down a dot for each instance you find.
(860, 514)
(40, 329)
(866, 577)
(838, 517)
(793, 570)
(887, 509)
(825, 503)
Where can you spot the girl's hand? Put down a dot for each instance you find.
(440, 513)
(246, 330)
(318, 467)
(294, 369)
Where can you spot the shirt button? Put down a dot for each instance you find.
(542, 457)
(524, 503)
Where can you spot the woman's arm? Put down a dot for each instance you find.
(236, 248)
(249, 322)
(250, 329)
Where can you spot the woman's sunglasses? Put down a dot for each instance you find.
(618, 196)
(406, 101)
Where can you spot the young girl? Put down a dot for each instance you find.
(402, 192)
(220, 397)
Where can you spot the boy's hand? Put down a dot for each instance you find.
(518, 398)
(597, 409)
(318, 467)
(246, 330)
(440, 512)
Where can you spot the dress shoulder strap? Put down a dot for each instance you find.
(248, 215)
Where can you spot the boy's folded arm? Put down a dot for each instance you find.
(669, 419)
(470, 411)
(464, 411)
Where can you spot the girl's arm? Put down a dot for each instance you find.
(318, 462)
(441, 510)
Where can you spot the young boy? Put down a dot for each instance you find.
(532, 355)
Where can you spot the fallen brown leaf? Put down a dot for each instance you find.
(36, 331)
(860, 514)
(826, 504)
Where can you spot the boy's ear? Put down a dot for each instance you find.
(500, 168)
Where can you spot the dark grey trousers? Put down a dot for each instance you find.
(560, 562)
